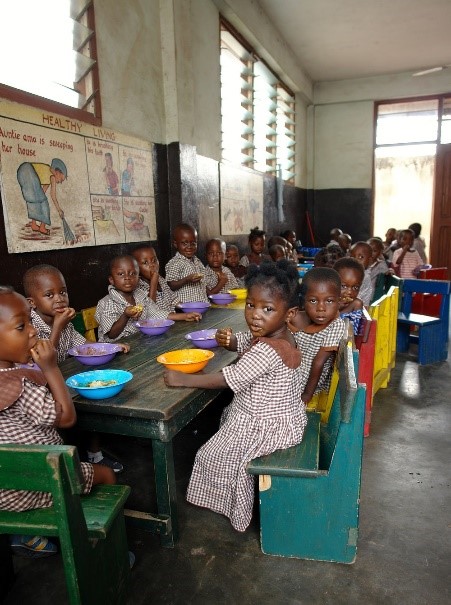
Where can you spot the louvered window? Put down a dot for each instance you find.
(257, 111)
(48, 53)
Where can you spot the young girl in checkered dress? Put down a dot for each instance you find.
(33, 404)
(266, 413)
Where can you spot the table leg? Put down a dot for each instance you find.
(163, 461)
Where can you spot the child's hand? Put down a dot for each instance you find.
(63, 317)
(194, 278)
(44, 355)
(192, 316)
(223, 336)
(306, 397)
(133, 311)
(222, 278)
(124, 346)
(174, 379)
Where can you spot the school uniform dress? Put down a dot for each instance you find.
(112, 306)
(166, 299)
(310, 343)
(245, 261)
(410, 261)
(69, 336)
(211, 279)
(179, 267)
(355, 318)
(366, 289)
(28, 414)
(266, 414)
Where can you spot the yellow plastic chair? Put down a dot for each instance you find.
(90, 323)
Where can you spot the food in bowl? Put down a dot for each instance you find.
(204, 339)
(187, 361)
(194, 307)
(154, 327)
(222, 298)
(99, 384)
(95, 353)
(239, 293)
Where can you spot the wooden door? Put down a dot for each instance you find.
(441, 216)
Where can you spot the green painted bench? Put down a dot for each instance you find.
(91, 528)
(309, 494)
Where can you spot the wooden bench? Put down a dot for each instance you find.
(429, 304)
(309, 494)
(90, 528)
(365, 343)
(431, 334)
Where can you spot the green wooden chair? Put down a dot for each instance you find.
(91, 528)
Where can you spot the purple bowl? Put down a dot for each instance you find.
(204, 339)
(95, 353)
(223, 298)
(154, 327)
(194, 307)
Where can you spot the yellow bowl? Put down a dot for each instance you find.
(187, 361)
(240, 293)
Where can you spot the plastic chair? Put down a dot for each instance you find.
(432, 332)
(90, 323)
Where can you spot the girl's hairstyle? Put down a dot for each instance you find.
(33, 274)
(348, 262)
(255, 233)
(281, 278)
(328, 256)
(319, 275)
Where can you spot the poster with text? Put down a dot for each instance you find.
(66, 183)
(241, 200)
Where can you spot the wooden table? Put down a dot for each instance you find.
(147, 408)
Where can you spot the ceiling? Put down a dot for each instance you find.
(341, 39)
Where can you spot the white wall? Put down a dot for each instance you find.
(343, 122)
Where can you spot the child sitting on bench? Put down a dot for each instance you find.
(265, 414)
(33, 403)
(351, 274)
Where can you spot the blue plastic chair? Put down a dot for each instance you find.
(432, 332)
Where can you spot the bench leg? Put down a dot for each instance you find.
(163, 461)
(432, 344)
(403, 338)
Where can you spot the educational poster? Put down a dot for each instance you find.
(241, 200)
(68, 183)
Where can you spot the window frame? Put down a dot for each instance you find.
(27, 98)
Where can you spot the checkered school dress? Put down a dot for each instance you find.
(309, 343)
(166, 298)
(111, 307)
(69, 336)
(211, 279)
(266, 414)
(178, 267)
(28, 414)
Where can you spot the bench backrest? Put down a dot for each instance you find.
(434, 273)
(47, 468)
(341, 411)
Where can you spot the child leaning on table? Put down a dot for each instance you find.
(266, 413)
(33, 404)
(125, 303)
(185, 273)
(156, 286)
(317, 329)
(47, 295)
(218, 278)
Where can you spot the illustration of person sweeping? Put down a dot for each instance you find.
(34, 179)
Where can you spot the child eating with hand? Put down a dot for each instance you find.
(156, 287)
(185, 272)
(33, 404)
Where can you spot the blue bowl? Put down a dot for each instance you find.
(82, 383)
(204, 339)
(154, 327)
(194, 307)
